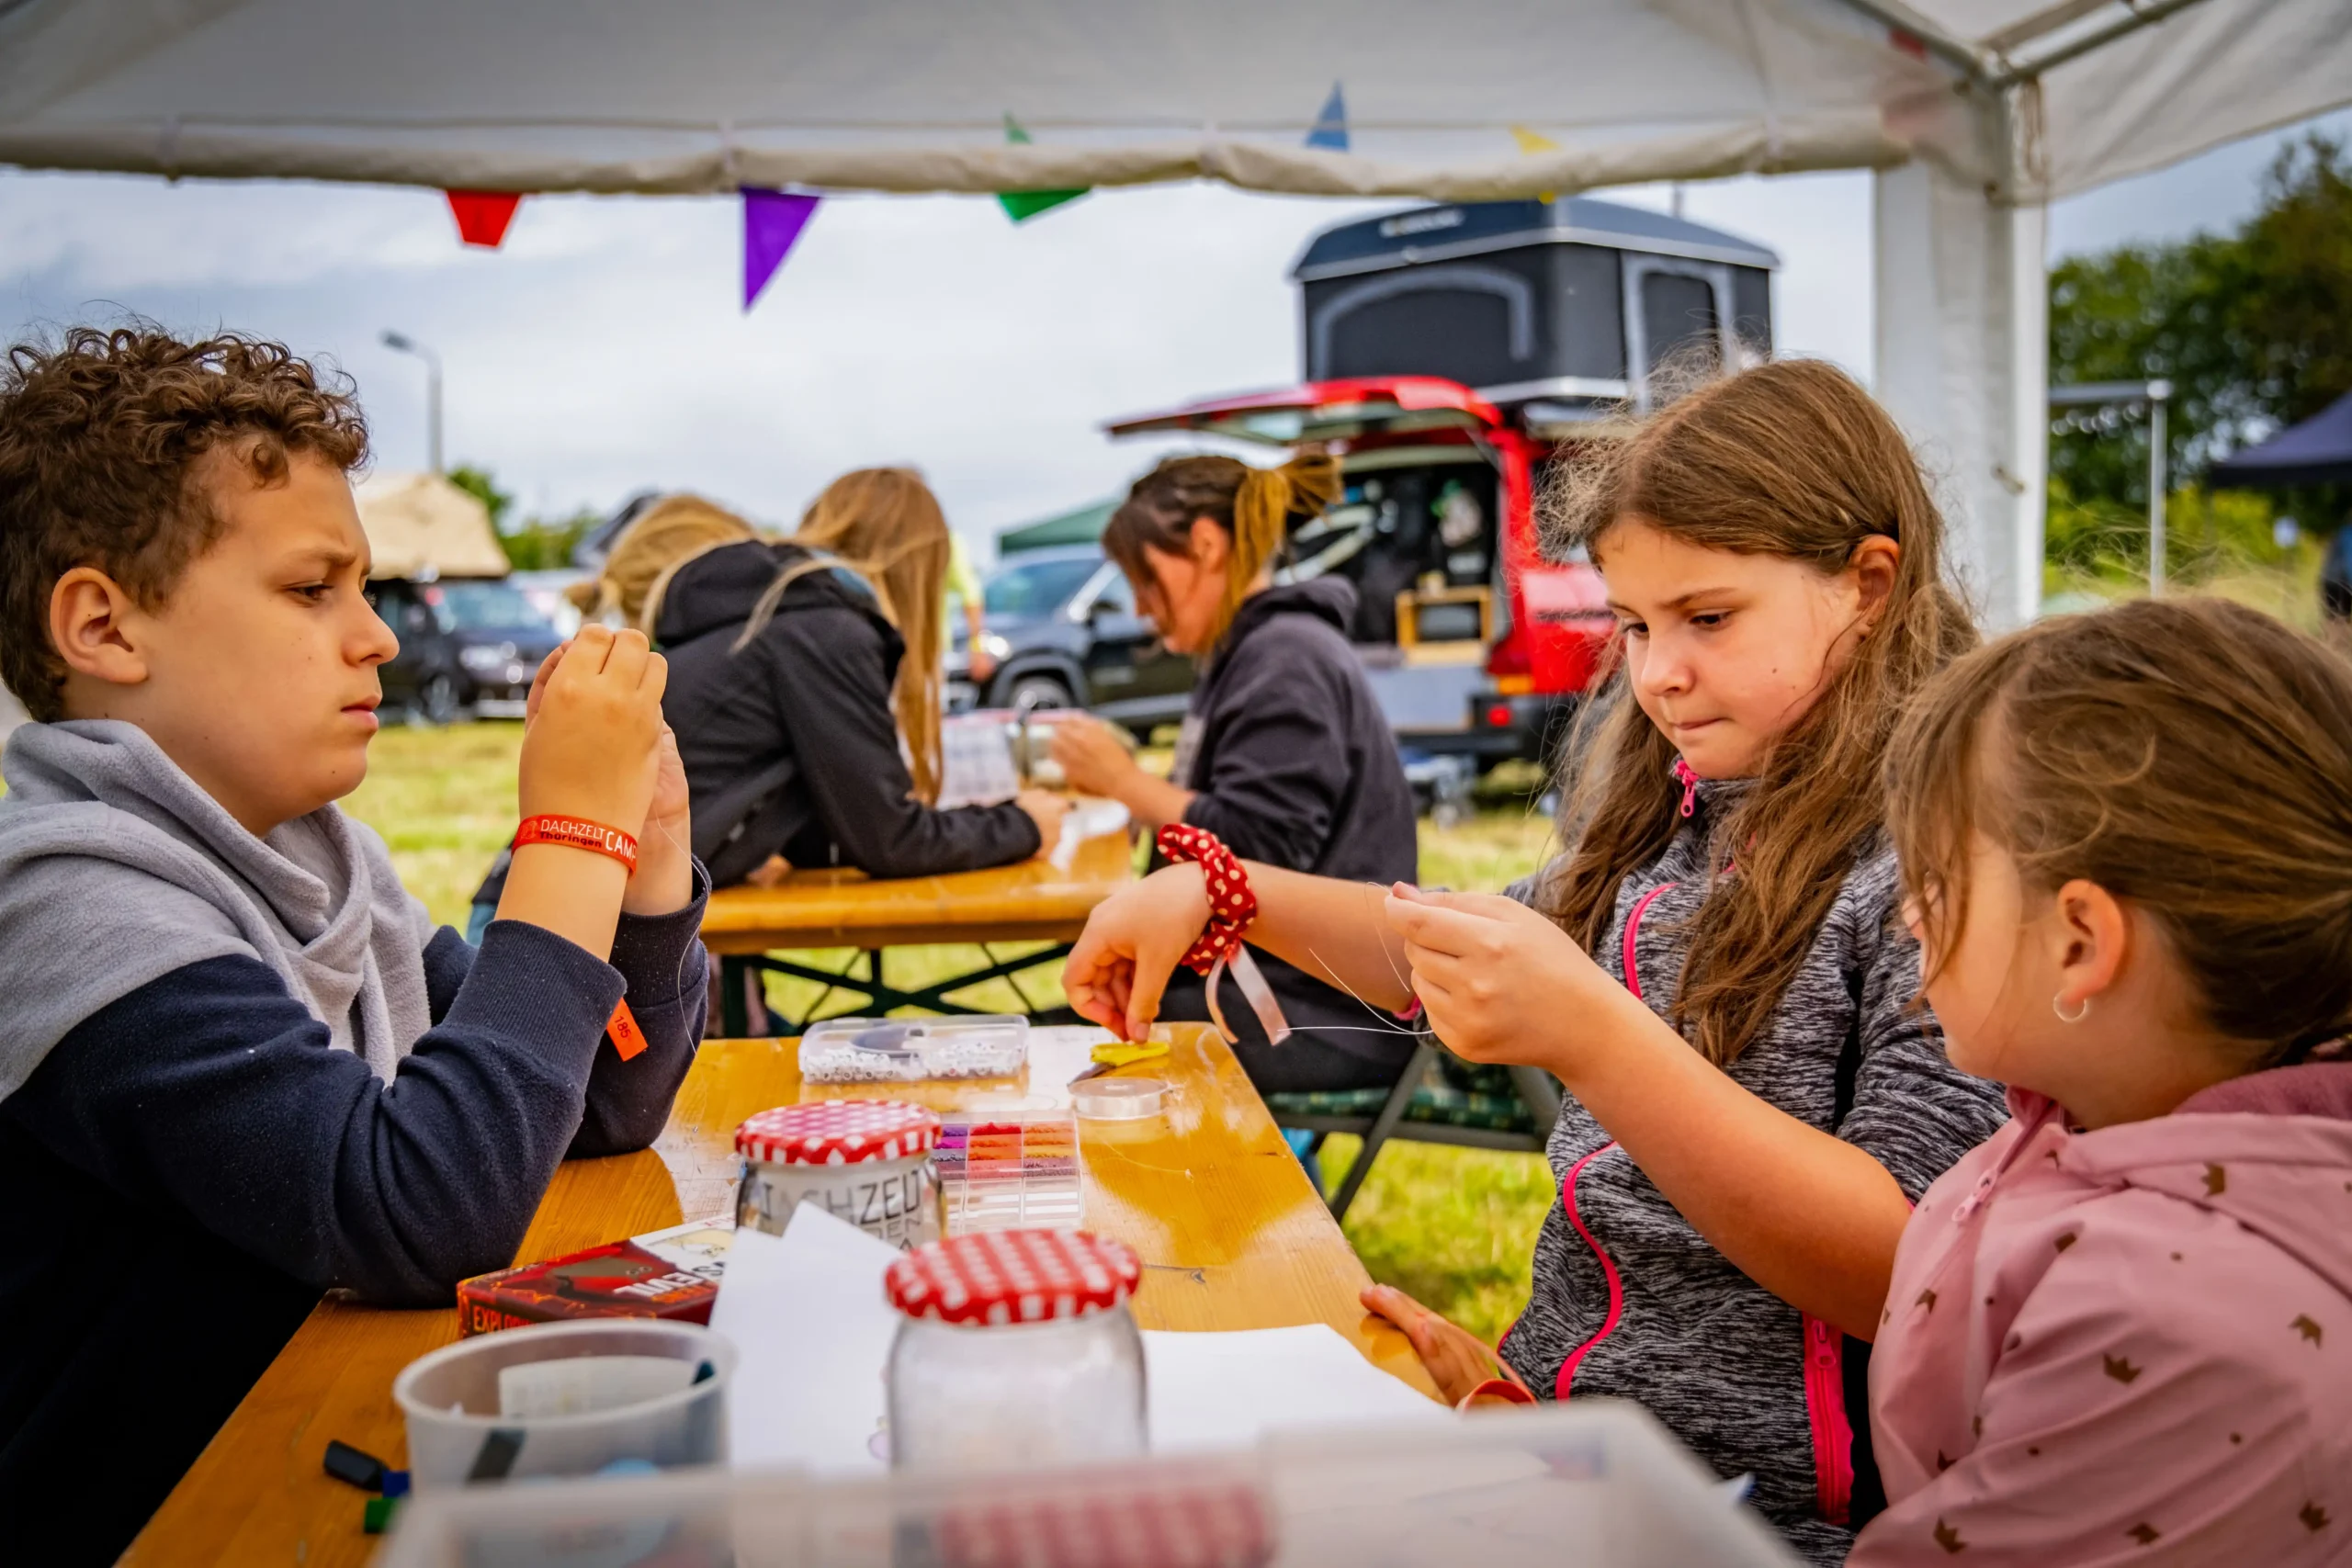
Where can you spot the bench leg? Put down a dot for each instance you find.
(735, 973)
(1392, 1112)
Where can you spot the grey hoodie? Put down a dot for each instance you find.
(116, 869)
(1630, 1301)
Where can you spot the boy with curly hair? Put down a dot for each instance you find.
(239, 1066)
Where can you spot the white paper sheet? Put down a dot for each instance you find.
(1225, 1391)
(577, 1385)
(812, 1332)
(812, 1336)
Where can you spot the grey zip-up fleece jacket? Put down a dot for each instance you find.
(1631, 1303)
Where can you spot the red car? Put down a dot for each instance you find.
(1476, 644)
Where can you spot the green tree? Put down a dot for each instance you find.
(2296, 316)
(483, 486)
(543, 544)
(2253, 330)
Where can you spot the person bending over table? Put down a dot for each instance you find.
(804, 690)
(1285, 754)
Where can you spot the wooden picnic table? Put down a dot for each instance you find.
(1031, 901)
(1231, 1236)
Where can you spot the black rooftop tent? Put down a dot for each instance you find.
(1572, 301)
(2316, 452)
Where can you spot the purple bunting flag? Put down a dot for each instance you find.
(772, 221)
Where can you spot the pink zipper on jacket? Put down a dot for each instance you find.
(1562, 1386)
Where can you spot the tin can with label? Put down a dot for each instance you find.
(864, 1161)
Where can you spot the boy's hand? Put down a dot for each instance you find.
(1497, 978)
(1131, 945)
(665, 878)
(1457, 1360)
(593, 725)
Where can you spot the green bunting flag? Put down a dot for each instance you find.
(1023, 205)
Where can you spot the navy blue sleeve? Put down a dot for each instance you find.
(448, 959)
(212, 1090)
(662, 959)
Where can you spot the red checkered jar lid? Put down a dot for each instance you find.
(838, 1132)
(1004, 1276)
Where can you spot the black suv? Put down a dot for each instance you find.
(468, 644)
(1063, 626)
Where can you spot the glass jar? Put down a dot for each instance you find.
(1015, 1347)
(866, 1161)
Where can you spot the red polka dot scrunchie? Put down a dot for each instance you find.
(1231, 904)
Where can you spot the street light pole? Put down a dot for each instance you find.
(402, 342)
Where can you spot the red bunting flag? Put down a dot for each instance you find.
(483, 215)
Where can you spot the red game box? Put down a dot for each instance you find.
(671, 1274)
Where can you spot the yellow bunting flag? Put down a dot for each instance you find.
(1531, 142)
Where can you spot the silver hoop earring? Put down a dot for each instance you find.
(2080, 1013)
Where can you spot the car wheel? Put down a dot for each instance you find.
(1039, 692)
(437, 701)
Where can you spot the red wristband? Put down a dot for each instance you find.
(1232, 906)
(579, 834)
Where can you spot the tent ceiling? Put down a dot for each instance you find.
(706, 95)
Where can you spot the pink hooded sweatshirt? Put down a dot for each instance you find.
(2130, 1346)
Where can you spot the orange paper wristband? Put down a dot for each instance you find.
(579, 834)
(628, 1040)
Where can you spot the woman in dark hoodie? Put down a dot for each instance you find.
(1285, 754)
(804, 690)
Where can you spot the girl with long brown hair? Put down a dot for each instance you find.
(805, 687)
(1285, 754)
(1714, 969)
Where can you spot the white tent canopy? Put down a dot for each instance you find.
(422, 525)
(1977, 111)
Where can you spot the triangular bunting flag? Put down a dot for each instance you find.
(1531, 142)
(772, 221)
(1330, 129)
(483, 215)
(1023, 205)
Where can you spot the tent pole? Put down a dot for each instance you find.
(2145, 14)
(2157, 479)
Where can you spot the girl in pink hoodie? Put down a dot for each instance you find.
(2120, 1331)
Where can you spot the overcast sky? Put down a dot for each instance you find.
(603, 350)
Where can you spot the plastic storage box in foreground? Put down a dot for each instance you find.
(1597, 1486)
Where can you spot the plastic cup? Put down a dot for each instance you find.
(456, 1433)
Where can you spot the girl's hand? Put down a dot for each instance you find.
(1046, 809)
(1091, 758)
(1457, 1360)
(1498, 980)
(1131, 945)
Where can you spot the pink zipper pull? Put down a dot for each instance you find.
(1690, 782)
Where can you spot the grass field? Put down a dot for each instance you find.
(1452, 1227)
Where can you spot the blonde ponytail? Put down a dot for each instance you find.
(1262, 507)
